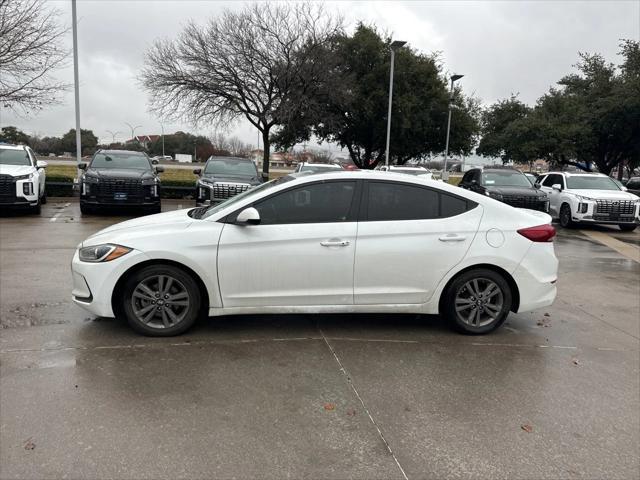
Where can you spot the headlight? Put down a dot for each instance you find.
(24, 177)
(102, 253)
(91, 179)
(208, 181)
(495, 196)
(585, 199)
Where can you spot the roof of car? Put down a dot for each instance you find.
(579, 174)
(500, 169)
(243, 159)
(119, 151)
(310, 164)
(9, 146)
(402, 167)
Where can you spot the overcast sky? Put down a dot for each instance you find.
(502, 48)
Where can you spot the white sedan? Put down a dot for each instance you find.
(363, 242)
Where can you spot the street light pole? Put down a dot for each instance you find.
(395, 44)
(162, 128)
(76, 86)
(113, 135)
(446, 148)
(133, 129)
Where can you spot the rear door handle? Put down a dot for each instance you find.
(335, 243)
(452, 238)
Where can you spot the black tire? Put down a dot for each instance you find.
(36, 209)
(625, 227)
(181, 283)
(458, 296)
(155, 209)
(43, 200)
(565, 216)
(86, 209)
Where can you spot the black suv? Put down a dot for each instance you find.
(225, 177)
(118, 178)
(506, 185)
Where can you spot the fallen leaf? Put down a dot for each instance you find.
(575, 361)
(546, 314)
(527, 428)
(329, 406)
(29, 445)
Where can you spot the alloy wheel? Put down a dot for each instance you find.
(160, 301)
(479, 302)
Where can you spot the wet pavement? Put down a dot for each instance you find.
(553, 394)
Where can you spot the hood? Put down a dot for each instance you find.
(525, 191)
(250, 179)
(16, 170)
(177, 218)
(604, 194)
(127, 173)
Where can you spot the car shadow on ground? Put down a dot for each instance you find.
(290, 326)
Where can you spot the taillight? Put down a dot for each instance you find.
(541, 233)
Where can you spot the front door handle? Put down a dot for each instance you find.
(452, 238)
(335, 243)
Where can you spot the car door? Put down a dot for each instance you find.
(553, 195)
(301, 252)
(409, 237)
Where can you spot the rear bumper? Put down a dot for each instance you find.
(92, 202)
(536, 277)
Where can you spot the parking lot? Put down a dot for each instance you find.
(552, 394)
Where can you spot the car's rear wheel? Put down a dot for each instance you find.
(625, 227)
(477, 301)
(161, 301)
(565, 216)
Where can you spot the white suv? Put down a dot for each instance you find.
(22, 178)
(590, 198)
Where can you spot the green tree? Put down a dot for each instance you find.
(592, 118)
(88, 141)
(13, 135)
(351, 109)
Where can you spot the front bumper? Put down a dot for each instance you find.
(587, 212)
(93, 283)
(12, 192)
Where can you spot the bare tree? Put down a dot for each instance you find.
(30, 50)
(238, 148)
(249, 63)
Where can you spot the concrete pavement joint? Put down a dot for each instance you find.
(295, 339)
(597, 318)
(355, 391)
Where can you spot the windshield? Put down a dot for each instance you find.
(14, 157)
(265, 186)
(319, 168)
(231, 166)
(121, 160)
(587, 182)
(505, 179)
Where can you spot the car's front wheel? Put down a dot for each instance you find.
(477, 301)
(161, 301)
(625, 227)
(565, 216)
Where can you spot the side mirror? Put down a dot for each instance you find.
(557, 186)
(265, 176)
(159, 169)
(248, 216)
(623, 188)
(41, 164)
(82, 166)
(154, 162)
(536, 185)
(197, 171)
